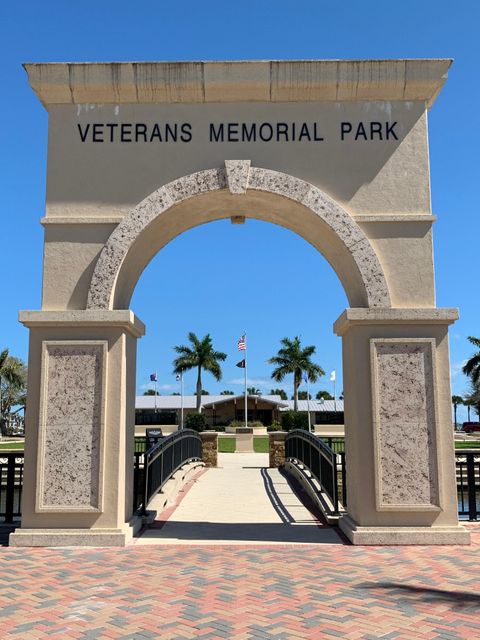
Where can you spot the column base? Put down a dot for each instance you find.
(76, 537)
(403, 535)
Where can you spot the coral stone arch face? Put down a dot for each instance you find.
(237, 189)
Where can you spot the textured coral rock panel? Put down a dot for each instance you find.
(405, 424)
(71, 426)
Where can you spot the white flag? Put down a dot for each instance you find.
(332, 376)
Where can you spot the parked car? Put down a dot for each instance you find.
(470, 427)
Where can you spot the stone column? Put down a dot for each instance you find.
(401, 485)
(276, 448)
(80, 423)
(210, 448)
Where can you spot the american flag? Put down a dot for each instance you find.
(242, 343)
(153, 377)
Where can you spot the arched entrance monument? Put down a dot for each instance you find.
(335, 151)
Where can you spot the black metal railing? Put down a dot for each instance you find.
(140, 444)
(336, 444)
(325, 465)
(11, 485)
(158, 464)
(468, 483)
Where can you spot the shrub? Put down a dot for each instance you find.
(275, 426)
(196, 421)
(235, 424)
(294, 420)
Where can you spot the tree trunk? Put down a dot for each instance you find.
(2, 424)
(199, 390)
(455, 416)
(296, 384)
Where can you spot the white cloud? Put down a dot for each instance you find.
(259, 382)
(160, 387)
(457, 368)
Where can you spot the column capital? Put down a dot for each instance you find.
(391, 316)
(124, 318)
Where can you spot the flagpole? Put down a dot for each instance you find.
(181, 409)
(334, 392)
(155, 392)
(308, 404)
(246, 397)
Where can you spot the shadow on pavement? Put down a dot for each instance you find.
(424, 595)
(247, 532)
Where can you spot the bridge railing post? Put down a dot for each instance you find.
(276, 448)
(210, 448)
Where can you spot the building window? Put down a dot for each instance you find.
(329, 417)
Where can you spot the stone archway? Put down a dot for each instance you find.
(375, 233)
(355, 261)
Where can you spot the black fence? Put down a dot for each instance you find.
(325, 465)
(468, 483)
(336, 444)
(11, 485)
(158, 464)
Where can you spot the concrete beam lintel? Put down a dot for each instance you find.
(238, 81)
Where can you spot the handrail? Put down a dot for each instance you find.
(11, 484)
(162, 460)
(467, 466)
(322, 462)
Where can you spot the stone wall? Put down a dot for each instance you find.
(210, 448)
(276, 448)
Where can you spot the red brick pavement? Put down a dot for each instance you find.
(249, 593)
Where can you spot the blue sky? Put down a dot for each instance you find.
(264, 272)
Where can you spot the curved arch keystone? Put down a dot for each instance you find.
(237, 173)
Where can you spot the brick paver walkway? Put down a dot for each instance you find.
(176, 592)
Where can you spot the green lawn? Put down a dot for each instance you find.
(227, 445)
(11, 445)
(260, 444)
(467, 445)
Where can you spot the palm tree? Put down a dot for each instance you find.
(227, 392)
(324, 394)
(456, 400)
(12, 384)
(472, 366)
(293, 358)
(468, 403)
(253, 391)
(200, 355)
(302, 395)
(473, 399)
(279, 392)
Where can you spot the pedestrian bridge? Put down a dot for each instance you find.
(241, 501)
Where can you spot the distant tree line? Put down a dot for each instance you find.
(471, 399)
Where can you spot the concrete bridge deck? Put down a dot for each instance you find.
(240, 502)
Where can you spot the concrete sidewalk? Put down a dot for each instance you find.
(240, 502)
